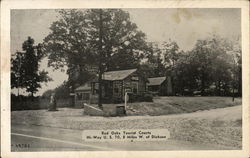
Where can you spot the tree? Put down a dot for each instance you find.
(47, 94)
(61, 91)
(17, 71)
(25, 68)
(237, 57)
(171, 54)
(75, 42)
(184, 80)
(215, 64)
(209, 64)
(152, 64)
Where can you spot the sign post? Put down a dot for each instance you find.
(126, 97)
(125, 101)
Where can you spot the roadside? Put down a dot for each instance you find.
(219, 127)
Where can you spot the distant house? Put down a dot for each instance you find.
(160, 85)
(114, 84)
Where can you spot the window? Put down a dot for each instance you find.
(95, 88)
(134, 86)
(79, 96)
(135, 90)
(88, 84)
(116, 90)
(85, 96)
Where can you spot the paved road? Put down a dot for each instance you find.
(40, 138)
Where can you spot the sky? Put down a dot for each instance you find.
(185, 26)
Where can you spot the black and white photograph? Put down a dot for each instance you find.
(126, 79)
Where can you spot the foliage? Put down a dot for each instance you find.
(62, 91)
(17, 70)
(170, 53)
(140, 98)
(152, 64)
(47, 93)
(74, 42)
(35, 103)
(208, 66)
(25, 68)
(212, 67)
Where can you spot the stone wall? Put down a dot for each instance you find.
(92, 110)
(108, 110)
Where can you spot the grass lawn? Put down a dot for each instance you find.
(174, 105)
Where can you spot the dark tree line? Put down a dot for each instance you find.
(212, 67)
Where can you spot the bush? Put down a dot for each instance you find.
(148, 98)
(35, 103)
(145, 97)
(188, 92)
(114, 100)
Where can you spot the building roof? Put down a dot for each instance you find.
(84, 87)
(117, 75)
(110, 76)
(156, 81)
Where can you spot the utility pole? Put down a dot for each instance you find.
(19, 74)
(100, 60)
(234, 65)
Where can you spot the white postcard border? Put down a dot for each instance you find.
(6, 6)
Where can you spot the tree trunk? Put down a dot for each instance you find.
(240, 83)
(202, 85)
(32, 96)
(100, 62)
(219, 88)
(216, 88)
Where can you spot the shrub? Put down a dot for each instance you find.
(148, 98)
(145, 97)
(35, 103)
